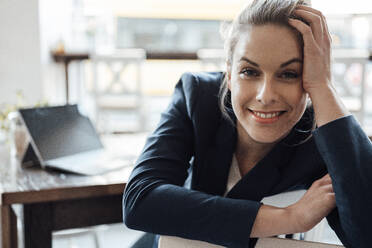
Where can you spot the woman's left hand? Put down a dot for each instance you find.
(316, 73)
(316, 69)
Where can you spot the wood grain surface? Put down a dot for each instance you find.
(31, 185)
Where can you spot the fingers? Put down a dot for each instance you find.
(305, 30)
(317, 12)
(328, 188)
(326, 179)
(325, 183)
(324, 189)
(315, 22)
(331, 199)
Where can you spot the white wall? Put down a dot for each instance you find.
(20, 62)
(55, 26)
(29, 30)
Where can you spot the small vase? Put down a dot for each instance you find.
(4, 149)
(18, 137)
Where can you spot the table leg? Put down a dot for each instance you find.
(38, 225)
(67, 82)
(8, 227)
(40, 219)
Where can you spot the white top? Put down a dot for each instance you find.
(234, 175)
(172, 241)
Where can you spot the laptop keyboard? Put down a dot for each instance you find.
(92, 162)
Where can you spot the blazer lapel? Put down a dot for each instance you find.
(256, 184)
(260, 181)
(217, 161)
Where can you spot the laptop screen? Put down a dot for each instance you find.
(60, 131)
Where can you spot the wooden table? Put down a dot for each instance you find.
(53, 201)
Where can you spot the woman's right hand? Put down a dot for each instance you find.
(317, 203)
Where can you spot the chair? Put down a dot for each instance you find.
(71, 234)
(291, 243)
(171, 242)
(117, 87)
(287, 198)
(68, 236)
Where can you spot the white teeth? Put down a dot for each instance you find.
(266, 116)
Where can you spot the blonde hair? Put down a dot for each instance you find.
(258, 12)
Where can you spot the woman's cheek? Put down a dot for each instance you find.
(236, 104)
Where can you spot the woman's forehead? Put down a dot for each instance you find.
(270, 42)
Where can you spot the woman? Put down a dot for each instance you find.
(205, 169)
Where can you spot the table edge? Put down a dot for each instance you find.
(61, 194)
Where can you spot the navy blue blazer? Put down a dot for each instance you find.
(194, 143)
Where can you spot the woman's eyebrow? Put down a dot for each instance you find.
(282, 65)
(291, 61)
(249, 61)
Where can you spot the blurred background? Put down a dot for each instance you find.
(120, 60)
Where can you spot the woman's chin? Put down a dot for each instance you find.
(267, 138)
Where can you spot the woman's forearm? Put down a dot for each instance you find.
(327, 105)
(272, 221)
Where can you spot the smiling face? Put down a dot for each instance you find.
(264, 78)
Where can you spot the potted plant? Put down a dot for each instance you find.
(12, 132)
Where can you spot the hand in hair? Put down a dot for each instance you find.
(317, 47)
(316, 73)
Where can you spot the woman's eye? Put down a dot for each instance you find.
(289, 75)
(250, 73)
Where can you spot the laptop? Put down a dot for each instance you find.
(62, 138)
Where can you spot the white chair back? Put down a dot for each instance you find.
(117, 86)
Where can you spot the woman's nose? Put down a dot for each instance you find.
(266, 93)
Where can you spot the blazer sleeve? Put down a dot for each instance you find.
(154, 199)
(347, 152)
